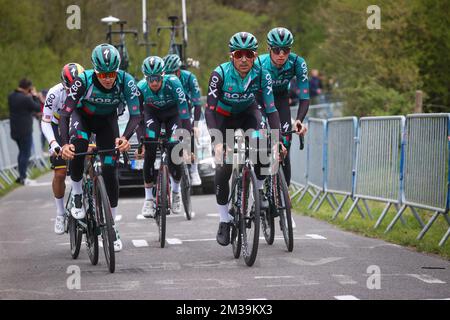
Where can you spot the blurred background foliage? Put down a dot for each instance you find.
(374, 72)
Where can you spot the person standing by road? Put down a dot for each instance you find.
(23, 103)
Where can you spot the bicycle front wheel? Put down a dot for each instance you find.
(105, 221)
(76, 234)
(284, 210)
(91, 237)
(73, 229)
(186, 192)
(249, 217)
(267, 220)
(236, 240)
(162, 203)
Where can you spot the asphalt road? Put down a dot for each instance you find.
(326, 263)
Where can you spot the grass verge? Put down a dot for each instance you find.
(402, 234)
(35, 173)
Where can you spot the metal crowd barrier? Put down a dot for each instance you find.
(9, 153)
(426, 167)
(378, 162)
(325, 110)
(342, 134)
(38, 158)
(317, 156)
(4, 157)
(299, 160)
(299, 167)
(404, 162)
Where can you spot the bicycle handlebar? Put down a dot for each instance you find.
(301, 138)
(163, 141)
(95, 151)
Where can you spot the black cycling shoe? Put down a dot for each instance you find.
(223, 234)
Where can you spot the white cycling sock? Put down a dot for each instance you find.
(260, 184)
(77, 187)
(114, 212)
(223, 211)
(59, 207)
(149, 193)
(175, 185)
(194, 168)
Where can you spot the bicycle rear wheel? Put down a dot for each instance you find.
(249, 216)
(162, 203)
(236, 241)
(267, 220)
(105, 221)
(284, 210)
(186, 192)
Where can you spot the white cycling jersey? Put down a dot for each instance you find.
(54, 102)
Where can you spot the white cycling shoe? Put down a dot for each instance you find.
(195, 179)
(148, 210)
(118, 243)
(176, 202)
(77, 210)
(59, 225)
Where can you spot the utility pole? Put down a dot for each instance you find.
(418, 108)
(185, 33)
(144, 27)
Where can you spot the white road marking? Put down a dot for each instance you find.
(274, 277)
(174, 241)
(213, 215)
(318, 262)
(427, 278)
(261, 238)
(344, 279)
(38, 184)
(198, 240)
(112, 287)
(118, 217)
(303, 283)
(46, 205)
(140, 217)
(348, 297)
(68, 243)
(316, 236)
(16, 242)
(15, 291)
(140, 243)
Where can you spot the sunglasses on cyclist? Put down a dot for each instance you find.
(154, 77)
(277, 50)
(105, 75)
(238, 54)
